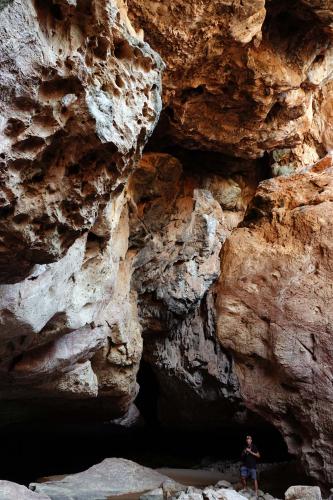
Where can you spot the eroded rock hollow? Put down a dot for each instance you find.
(207, 254)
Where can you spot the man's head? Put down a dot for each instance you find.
(249, 440)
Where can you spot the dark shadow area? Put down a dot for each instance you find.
(37, 449)
(147, 399)
(288, 23)
(202, 162)
(32, 451)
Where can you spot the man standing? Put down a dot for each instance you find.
(250, 456)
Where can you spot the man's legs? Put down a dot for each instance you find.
(244, 474)
(256, 487)
(255, 481)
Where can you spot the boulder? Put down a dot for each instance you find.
(303, 493)
(171, 488)
(223, 494)
(223, 484)
(210, 494)
(153, 495)
(14, 491)
(113, 476)
(190, 495)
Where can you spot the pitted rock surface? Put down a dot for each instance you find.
(274, 312)
(80, 95)
(243, 77)
(74, 76)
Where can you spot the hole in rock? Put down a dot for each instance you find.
(57, 88)
(39, 177)
(14, 127)
(50, 14)
(122, 50)
(274, 112)
(189, 93)
(30, 144)
(146, 400)
(73, 169)
(56, 12)
(100, 46)
(25, 103)
(319, 59)
(21, 218)
(289, 28)
(6, 210)
(119, 81)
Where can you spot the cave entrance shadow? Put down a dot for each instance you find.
(194, 445)
(31, 450)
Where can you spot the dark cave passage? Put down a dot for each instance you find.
(219, 443)
(33, 450)
(30, 451)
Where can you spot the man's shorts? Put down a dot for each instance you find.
(248, 473)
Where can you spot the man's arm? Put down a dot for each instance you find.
(255, 453)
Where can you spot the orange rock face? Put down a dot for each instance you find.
(242, 77)
(275, 310)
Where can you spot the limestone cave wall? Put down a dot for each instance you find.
(166, 195)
